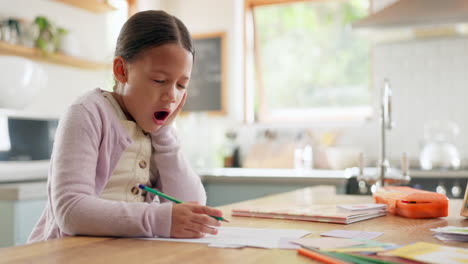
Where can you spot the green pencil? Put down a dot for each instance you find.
(165, 196)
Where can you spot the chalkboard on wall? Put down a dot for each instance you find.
(206, 92)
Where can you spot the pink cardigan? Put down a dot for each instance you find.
(88, 144)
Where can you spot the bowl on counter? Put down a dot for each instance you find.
(340, 158)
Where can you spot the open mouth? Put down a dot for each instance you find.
(160, 117)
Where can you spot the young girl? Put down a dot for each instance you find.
(109, 143)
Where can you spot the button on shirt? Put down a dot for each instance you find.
(132, 168)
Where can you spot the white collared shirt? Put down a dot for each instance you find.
(133, 167)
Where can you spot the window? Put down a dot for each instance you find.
(308, 64)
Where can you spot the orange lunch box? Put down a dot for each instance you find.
(412, 203)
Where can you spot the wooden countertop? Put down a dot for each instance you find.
(23, 191)
(118, 250)
(18, 171)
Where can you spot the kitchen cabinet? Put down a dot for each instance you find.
(21, 205)
(230, 185)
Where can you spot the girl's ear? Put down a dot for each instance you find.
(120, 70)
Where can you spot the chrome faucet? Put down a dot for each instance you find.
(385, 175)
(385, 124)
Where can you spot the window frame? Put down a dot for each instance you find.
(252, 62)
(132, 7)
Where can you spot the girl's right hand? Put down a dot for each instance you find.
(193, 221)
(171, 118)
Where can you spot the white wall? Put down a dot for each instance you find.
(207, 16)
(200, 17)
(429, 82)
(96, 34)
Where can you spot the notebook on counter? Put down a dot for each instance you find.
(315, 213)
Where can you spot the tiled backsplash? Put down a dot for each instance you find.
(429, 80)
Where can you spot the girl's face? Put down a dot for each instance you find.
(153, 85)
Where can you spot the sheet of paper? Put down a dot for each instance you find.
(452, 230)
(326, 242)
(352, 234)
(451, 233)
(225, 246)
(360, 207)
(252, 237)
(283, 243)
(432, 253)
(286, 243)
(368, 247)
(373, 243)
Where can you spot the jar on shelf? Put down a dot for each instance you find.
(303, 154)
(231, 155)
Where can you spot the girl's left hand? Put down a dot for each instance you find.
(171, 118)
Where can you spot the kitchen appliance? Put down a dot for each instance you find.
(439, 151)
(25, 148)
(450, 183)
(416, 13)
(26, 139)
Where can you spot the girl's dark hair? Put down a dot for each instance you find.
(149, 29)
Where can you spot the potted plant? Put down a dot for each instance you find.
(50, 36)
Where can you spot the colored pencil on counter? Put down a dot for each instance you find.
(365, 260)
(315, 255)
(348, 258)
(165, 196)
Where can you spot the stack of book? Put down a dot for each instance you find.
(451, 233)
(340, 214)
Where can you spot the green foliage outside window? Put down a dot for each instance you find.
(310, 57)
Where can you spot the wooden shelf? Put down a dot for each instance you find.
(94, 6)
(56, 58)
